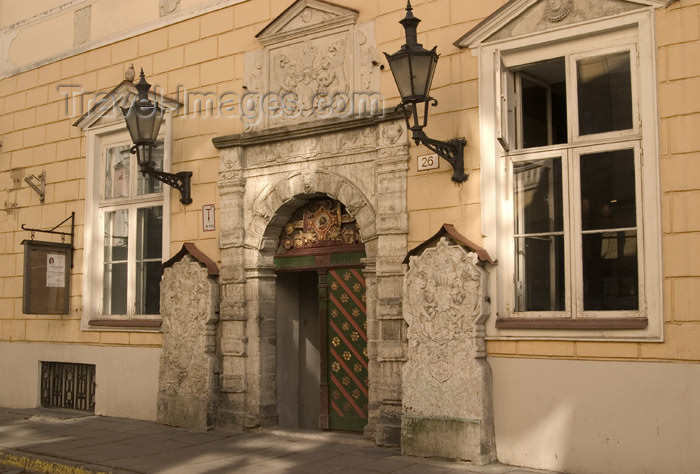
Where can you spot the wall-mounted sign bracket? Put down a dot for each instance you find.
(47, 271)
(57, 232)
(41, 187)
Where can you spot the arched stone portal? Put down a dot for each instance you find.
(321, 307)
(265, 176)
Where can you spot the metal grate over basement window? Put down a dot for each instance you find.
(68, 385)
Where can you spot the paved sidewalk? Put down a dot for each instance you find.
(63, 442)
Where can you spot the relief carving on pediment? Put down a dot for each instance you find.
(316, 63)
(309, 77)
(558, 10)
(548, 14)
(308, 17)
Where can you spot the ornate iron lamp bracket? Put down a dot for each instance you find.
(451, 151)
(179, 181)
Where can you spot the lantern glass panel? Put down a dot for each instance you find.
(157, 121)
(423, 71)
(401, 69)
(130, 116)
(143, 121)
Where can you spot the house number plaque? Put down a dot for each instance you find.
(428, 162)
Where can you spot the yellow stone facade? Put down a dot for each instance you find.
(204, 51)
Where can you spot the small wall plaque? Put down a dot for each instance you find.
(46, 277)
(208, 217)
(428, 162)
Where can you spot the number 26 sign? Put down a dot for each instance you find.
(428, 162)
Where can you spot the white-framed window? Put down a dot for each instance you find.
(126, 238)
(570, 186)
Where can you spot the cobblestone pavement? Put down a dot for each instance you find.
(67, 443)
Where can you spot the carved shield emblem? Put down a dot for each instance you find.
(443, 293)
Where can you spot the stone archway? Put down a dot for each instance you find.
(322, 359)
(264, 177)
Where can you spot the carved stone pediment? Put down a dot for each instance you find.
(306, 16)
(521, 17)
(316, 63)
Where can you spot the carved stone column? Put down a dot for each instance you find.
(387, 346)
(447, 398)
(189, 368)
(233, 340)
(261, 396)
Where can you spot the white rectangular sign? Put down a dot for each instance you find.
(55, 270)
(208, 217)
(428, 162)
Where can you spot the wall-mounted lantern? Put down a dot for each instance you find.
(413, 68)
(143, 119)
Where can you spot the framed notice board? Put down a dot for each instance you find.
(46, 277)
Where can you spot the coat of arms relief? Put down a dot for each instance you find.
(310, 81)
(316, 63)
(443, 295)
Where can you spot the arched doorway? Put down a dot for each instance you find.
(264, 179)
(321, 320)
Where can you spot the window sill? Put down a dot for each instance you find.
(553, 323)
(126, 323)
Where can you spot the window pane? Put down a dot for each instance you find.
(543, 104)
(535, 115)
(117, 171)
(539, 273)
(149, 253)
(610, 273)
(608, 190)
(147, 184)
(538, 196)
(116, 249)
(604, 93)
(150, 233)
(116, 235)
(148, 287)
(114, 294)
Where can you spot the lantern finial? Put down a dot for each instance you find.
(142, 86)
(410, 26)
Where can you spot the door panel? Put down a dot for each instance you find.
(299, 350)
(347, 350)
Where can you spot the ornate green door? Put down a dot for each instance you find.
(347, 350)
